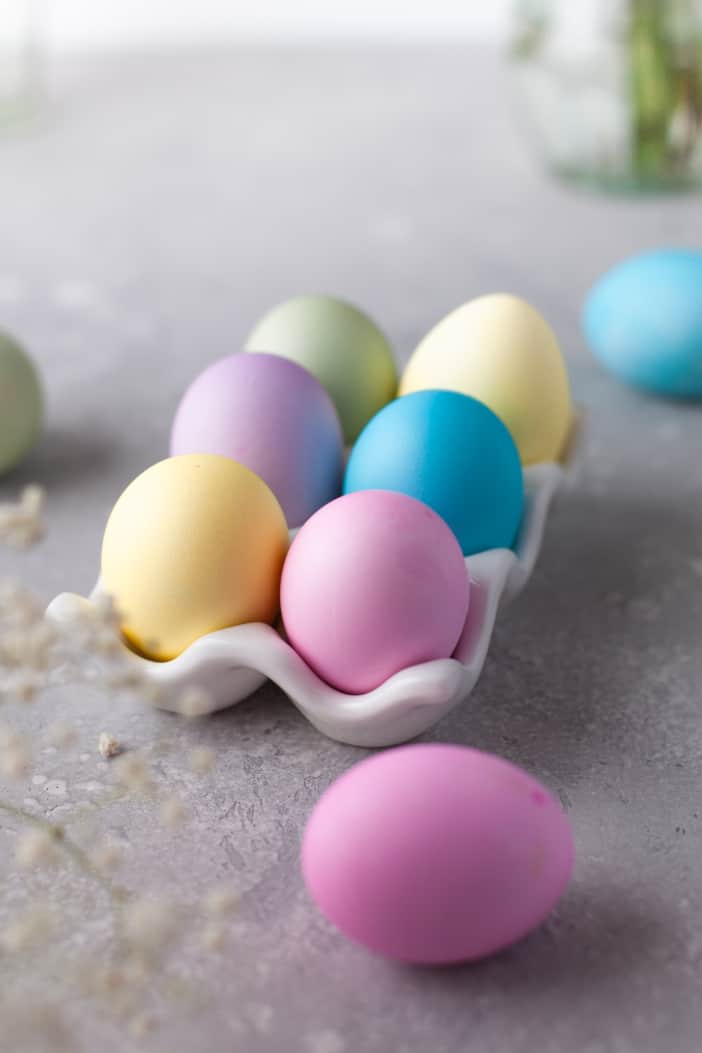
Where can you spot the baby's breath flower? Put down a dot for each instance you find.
(194, 702)
(142, 1024)
(61, 734)
(136, 968)
(108, 745)
(14, 761)
(212, 936)
(202, 760)
(21, 523)
(29, 647)
(106, 612)
(106, 979)
(22, 685)
(149, 923)
(18, 605)
(9, 737)
(150, 693)
(173, 812)
(31, 928)
(124, 676)
(220, 900)
(37, 847)
(33, 499)
(134, 773)
(108, 644)
(107, 857)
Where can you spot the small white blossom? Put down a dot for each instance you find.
(31, 928)
(14, 761)
(61, 734)
(134, 773)
(220, 900)
(108, 745)
(202, 760)
(194, 702)
(22, 685)
(325, 1042)
(173, 812)
(213, 936)
(149, 923)
(124, 676)
(142, 1024)
(21, 523)
(9, 737)
(107, 857)
(36, 847)
(106, 612)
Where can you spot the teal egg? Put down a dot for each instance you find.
(454, 454)
(21, 405)
(643, 320)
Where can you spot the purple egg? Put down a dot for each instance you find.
(272, 416)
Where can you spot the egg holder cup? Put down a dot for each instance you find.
(231, 664)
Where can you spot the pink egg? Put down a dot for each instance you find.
(435, 853)
(374, 582)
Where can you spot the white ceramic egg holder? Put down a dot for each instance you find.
(233, 663)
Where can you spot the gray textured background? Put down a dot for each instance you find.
(144, 226)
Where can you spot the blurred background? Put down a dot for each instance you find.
(168, 171)
(110, 24)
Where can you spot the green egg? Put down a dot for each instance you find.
(340, 346)
(21, 404)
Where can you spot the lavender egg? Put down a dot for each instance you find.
(272, 416)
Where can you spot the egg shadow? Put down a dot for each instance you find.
(61, 459)
(595, 935)
(565, 662)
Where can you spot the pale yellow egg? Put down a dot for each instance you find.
(500, 350)
(194, 544)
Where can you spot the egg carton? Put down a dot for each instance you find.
(231, 664)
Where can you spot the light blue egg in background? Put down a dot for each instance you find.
(454, 454)
(643, 320)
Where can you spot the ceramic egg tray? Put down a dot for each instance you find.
(233, 663)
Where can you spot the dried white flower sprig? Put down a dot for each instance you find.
(34, 654)
(108, 745)
(21, 522)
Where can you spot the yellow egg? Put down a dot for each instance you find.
(501, 351)
(195, 543)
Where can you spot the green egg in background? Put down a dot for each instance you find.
(21, 403)
(340, 346)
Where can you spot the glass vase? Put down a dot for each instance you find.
(22, 81)
(610, 91)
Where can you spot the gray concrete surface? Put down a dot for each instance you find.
(156, 211)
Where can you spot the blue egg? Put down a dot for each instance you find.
(451, 452)
(643, 320)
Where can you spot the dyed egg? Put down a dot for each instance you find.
(195, 543)
(340, 346)
(274, 417)
(643, 320)
(435, 853)
(373, 583)
(21, 406)
(451, 452)
(501, 351)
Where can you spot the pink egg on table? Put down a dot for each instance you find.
(374, 582)
(272, 416)
(436, 853)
